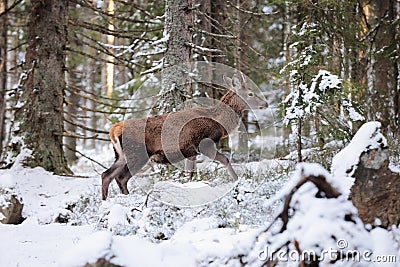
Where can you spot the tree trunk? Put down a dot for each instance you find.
(219, 24)
(242, 64)
(70, 142)
(299, 144)
(93, 70)
(3, 70)
(286, 31)
(175, 84)
(203, 22)
(110, 42)
(38, 123)
(385, 70)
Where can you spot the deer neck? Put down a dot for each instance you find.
(229, 111)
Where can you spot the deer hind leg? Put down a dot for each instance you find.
(189, 167)
(207, 148)
(128, 171)
(106, 177)
(122, 180)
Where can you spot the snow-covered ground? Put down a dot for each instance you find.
(66, 223)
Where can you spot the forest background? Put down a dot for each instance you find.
(326, 67)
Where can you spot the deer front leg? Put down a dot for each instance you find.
(207, 148)
(225, 161)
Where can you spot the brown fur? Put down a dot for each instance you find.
(172, 137)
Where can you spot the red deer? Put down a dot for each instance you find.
(172, 137)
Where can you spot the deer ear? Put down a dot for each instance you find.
(243, 78)
(228, 81)
(236, 82)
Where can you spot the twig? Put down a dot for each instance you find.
(83, 155)
(85, 127)
(16, 3)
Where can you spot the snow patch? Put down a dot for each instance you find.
(189, 194)
(89, 250)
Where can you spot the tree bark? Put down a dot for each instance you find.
(3, 70)
(175, 84)
(218, 26)
(242, 64)
(385, 69)
(375, 192)
(74, 99)
(39, 117)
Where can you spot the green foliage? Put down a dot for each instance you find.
(317, 96)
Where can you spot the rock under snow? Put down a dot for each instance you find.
(10, 207)
(364, 166)
(10, 203)
(345, 163)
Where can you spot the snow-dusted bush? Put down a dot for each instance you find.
(318, 224)
(318, 98)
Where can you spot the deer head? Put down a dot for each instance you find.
(246, 98)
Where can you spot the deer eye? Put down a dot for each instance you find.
(250, 94)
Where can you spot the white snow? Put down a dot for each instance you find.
(117, 216)
(45, 195)
(189, 194)
(127, 231)
(33, 245)
(88, 250)
(318, 225)
(7, 181)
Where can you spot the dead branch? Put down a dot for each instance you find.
(104, 30)
(83, 155)
(85, 127)
(89, 5)
(74, 135)
(13, 5)
(322, 185)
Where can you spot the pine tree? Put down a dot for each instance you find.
(38, 124)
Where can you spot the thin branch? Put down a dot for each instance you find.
(105, 30)
(16, 3)
(75, 116)
(203, 49)
(213, 34)
(106, 14)
(85, 127)
(107, 98)
(83, 155)
(94, 57)
(248, 11)
(74, 135)
(107, 112)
